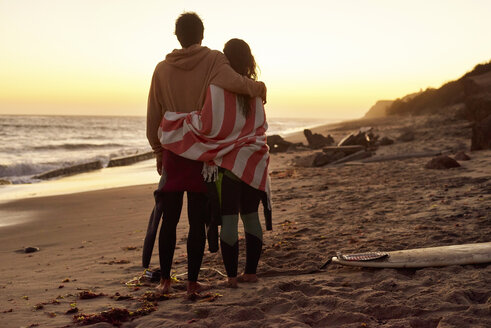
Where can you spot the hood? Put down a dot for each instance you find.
(187, 58)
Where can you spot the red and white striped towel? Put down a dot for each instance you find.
(220, 135)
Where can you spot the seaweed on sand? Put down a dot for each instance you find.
(146, 308)
(155, 297)
(87, 294)
(115, 316)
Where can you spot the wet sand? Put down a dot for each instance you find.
(92, 241)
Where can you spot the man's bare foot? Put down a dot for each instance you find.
(194, 288)
(247, 277)
(232, 282)
(164, 286)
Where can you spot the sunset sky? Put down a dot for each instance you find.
(326, 59)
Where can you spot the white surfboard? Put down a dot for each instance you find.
(421, 257)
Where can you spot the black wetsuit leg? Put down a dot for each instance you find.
(197, 205)
(249, 204)
(172, 204)
(238, 196)
(230, 204)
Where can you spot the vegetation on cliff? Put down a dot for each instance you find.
(470, 91)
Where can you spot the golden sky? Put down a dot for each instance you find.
(326, 59)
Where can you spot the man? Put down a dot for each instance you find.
(179, 83)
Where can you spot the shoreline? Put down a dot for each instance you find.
(110, 177)
(52, 159)
(87, 181)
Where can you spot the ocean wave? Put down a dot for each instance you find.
(28, 171)
(24, 169)
(76, 146)
(94, 137)
(285, 126)
(70, 170)
(22, 172)
(13, 122)
(35, 126)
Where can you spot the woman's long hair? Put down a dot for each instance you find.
(242, 61)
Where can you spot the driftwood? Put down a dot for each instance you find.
(353, 157)
(385, 141)
(347, 150)
(316, 140)
(332, 155)
(363, 137)
(279, 145)
(400, 157)
(127, 160)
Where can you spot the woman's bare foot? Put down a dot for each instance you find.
(232, 282)
(247, 277)
(194, 288)
(164, 286)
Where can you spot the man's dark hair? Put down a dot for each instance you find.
(189, 29)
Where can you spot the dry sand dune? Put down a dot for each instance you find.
(92, 241)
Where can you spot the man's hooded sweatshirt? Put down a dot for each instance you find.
(179, 84)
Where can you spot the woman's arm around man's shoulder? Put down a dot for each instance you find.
(225, 77)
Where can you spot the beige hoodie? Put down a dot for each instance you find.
(179, 84)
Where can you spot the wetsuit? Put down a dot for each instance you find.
(238, 197)
(181, 175)
(196, 237)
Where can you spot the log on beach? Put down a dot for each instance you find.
(127, 160)
(398, 157)
(71, 170)
(353, 157)
(347, 150)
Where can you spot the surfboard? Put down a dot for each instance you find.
(420, 257)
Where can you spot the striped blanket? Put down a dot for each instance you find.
(221, 136)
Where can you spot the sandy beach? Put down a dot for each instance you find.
(91, 241)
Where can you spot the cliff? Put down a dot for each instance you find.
(470, 94)
(379, 109)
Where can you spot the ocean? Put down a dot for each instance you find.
(31, 145)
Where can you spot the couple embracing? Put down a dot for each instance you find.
(206, 124)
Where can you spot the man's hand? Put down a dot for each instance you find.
(158, 157)
(263, 96)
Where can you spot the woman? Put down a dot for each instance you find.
(230, 133)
